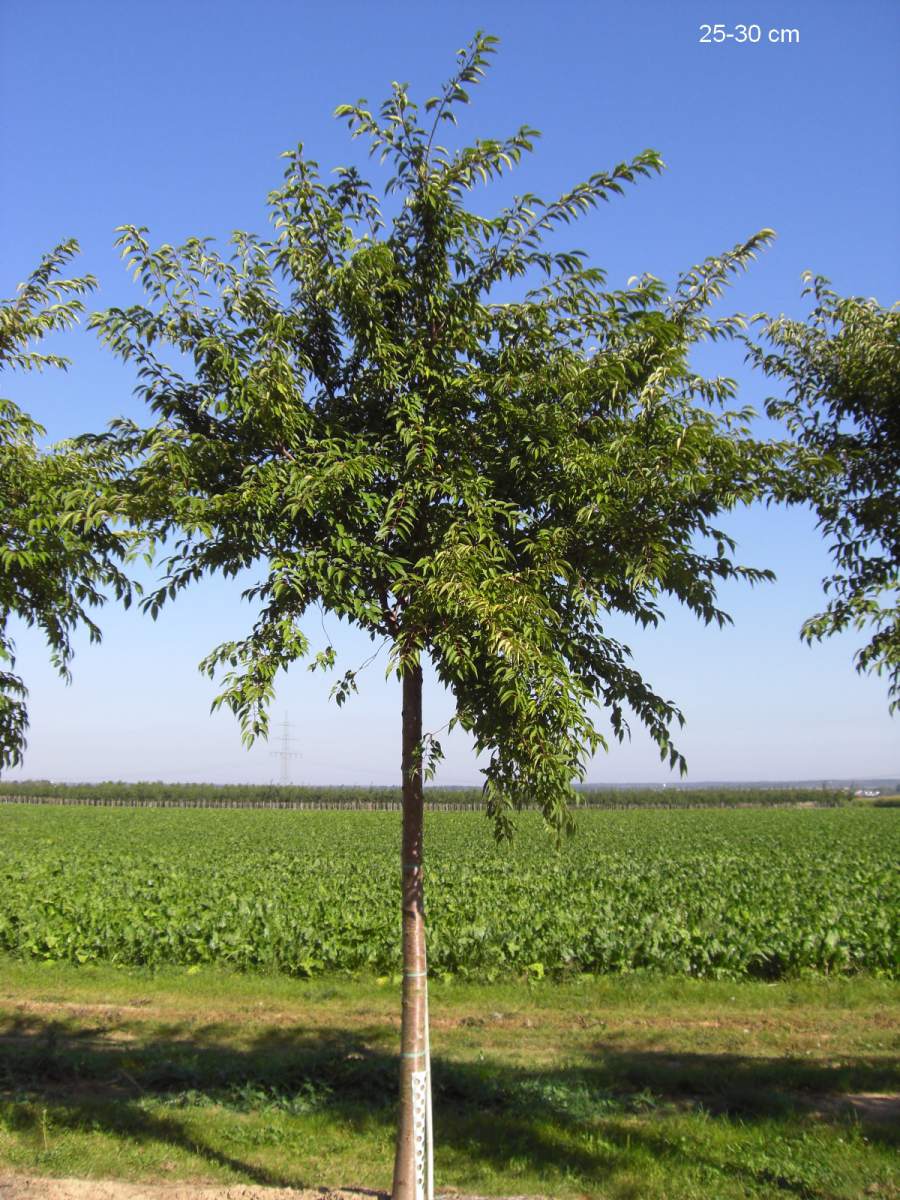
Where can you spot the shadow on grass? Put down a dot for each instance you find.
(570, 1123)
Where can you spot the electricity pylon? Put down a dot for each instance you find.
(284, 751)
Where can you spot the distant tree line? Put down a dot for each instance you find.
(210, 795)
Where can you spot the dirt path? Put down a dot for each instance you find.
(31, 1187)
(23, 1187)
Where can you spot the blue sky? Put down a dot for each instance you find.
(173, 116)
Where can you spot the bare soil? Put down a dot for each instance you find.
(28, 1187)
(871, 1106)
(23, 1187)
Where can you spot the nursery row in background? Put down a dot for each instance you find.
(209, 795)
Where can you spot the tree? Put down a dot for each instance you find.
(58, 551)
(473, 479)
(842, 370)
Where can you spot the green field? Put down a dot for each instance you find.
(715, 894)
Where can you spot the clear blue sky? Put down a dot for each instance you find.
(173, 115)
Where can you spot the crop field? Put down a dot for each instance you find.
(715, 894)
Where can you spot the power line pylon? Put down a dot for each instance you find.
(284, 751)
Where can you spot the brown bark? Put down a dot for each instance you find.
(412, 1032)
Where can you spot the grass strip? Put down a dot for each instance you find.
(615, 1088)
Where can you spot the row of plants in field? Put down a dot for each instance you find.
(711, 893)
(207, 795)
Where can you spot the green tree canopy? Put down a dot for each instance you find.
(58, 553)
(478, 480)
(842, 371)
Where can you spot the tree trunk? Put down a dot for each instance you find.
(409, 1164)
